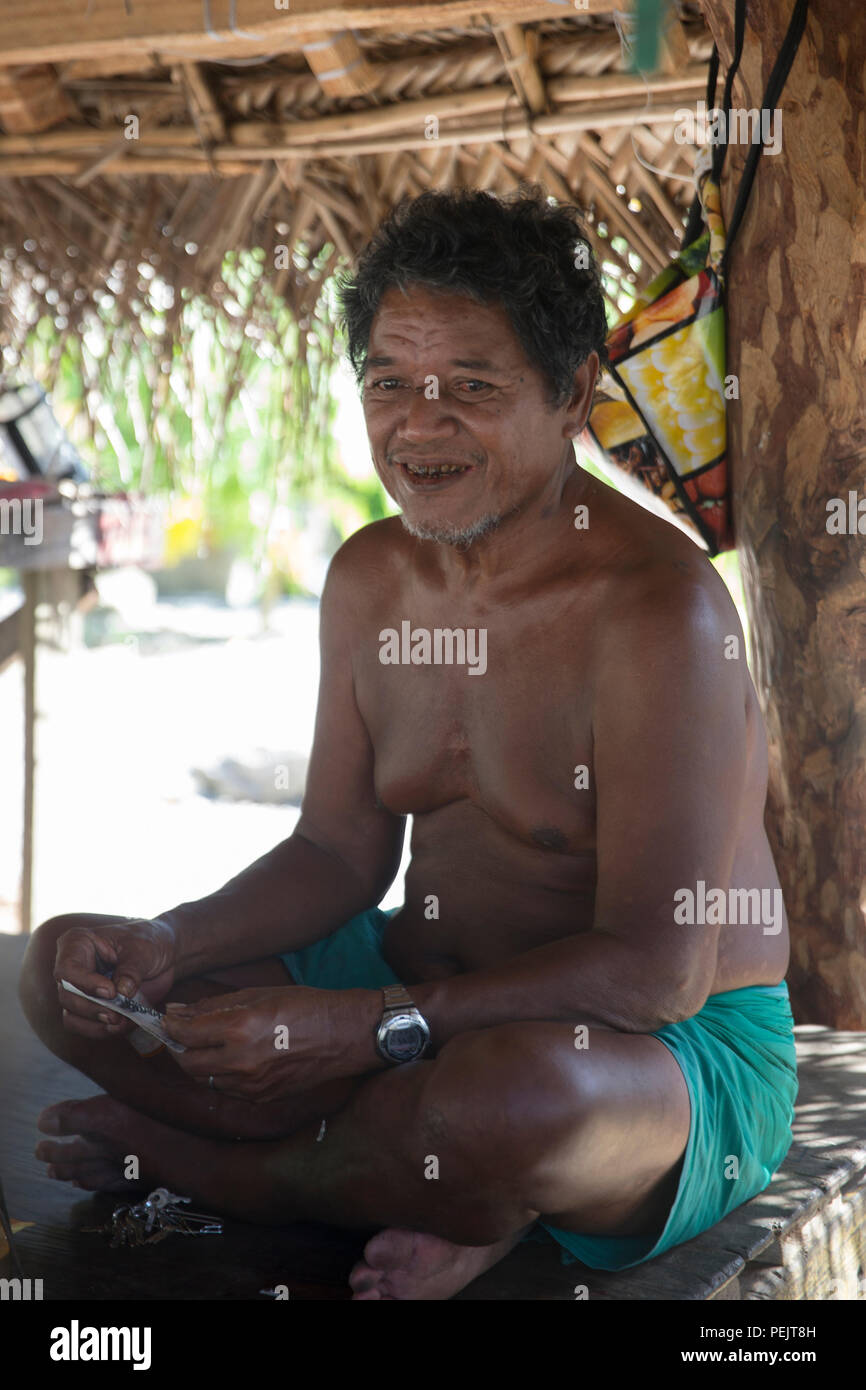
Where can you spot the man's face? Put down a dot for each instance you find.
(448, 386)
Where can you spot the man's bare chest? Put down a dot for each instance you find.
(513, 740)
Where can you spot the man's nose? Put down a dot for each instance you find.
(425, 415)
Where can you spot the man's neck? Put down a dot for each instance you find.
(524, 542)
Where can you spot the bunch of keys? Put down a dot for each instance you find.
(161, 1214)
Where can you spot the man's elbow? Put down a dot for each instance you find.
(686, 1000)
(370, 871)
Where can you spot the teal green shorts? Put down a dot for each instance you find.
(738, 1059)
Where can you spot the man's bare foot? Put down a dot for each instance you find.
(414, 1265)
(100, 1134)
(86, 1164)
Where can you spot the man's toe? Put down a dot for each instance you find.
(365, 1280)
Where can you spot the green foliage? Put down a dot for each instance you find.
(226, 405)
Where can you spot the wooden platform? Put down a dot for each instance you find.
(803, 1238)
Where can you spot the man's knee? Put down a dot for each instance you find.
(508, 1105)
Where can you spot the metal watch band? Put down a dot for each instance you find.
(396, 998)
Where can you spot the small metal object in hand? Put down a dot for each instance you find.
(161, 1214)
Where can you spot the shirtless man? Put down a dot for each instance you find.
(609, 755)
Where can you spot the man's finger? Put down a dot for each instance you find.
(87, 1028)
(74, 1004)
(202, 1062)
(192, 1010)
(77, 966)
(199, 1030)
(89, 1011)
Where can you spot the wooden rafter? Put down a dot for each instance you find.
(200, 100)
(674, 46)
(340, 65)
(657, 197)
(317, 155)
(622, 222)
(607, 86)
(519, 48)
(112, 64)
(401, 125)
(32, 98)
(63, 30)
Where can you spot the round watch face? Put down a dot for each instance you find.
(404, 1040)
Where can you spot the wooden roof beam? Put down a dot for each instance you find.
(399, 125)
(656, 194)
(674, 46)
(234, 158)
(64, 30)
(340, 66)
(623, 224)
(31, 99)
(200, 100)
(402, 115)
(519, 48)
(685, 82)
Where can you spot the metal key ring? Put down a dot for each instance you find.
(161, 1197)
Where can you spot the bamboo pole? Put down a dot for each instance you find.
(518, 48)
(57, 31)
(657, 196)
(30, 585)
(383, 120)
(380, 120)
(376, 120)
(228, 164)
(625, 84)
(133, 167)
(513, 126)
(88, 139)
(625, 225)
(229, 159)
(201, 101)
(338, 62)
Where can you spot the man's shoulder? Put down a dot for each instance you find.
(369, 552)
(658, 585)
(367, 566)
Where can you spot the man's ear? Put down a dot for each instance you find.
(577, 411)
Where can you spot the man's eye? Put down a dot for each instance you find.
(387, 384)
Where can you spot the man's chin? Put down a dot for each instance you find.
(445, 533)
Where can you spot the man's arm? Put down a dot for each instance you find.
(345, 850)
(669, 733)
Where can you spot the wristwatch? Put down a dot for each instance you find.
(403, 1035)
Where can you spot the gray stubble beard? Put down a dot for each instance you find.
(459, 536)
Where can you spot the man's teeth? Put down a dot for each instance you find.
(436, 469)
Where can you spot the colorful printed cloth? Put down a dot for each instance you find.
(660, 416)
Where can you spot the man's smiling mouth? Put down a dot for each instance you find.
(433, 471)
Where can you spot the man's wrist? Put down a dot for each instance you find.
(364, 1008)
(173, 923)
(436, 1000)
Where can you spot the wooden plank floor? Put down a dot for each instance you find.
(314, 1261)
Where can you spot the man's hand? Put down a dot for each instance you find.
(265, 1044)
(140, 954)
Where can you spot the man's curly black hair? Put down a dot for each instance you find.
(521, 251)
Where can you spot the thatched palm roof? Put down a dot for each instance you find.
(172, 157)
